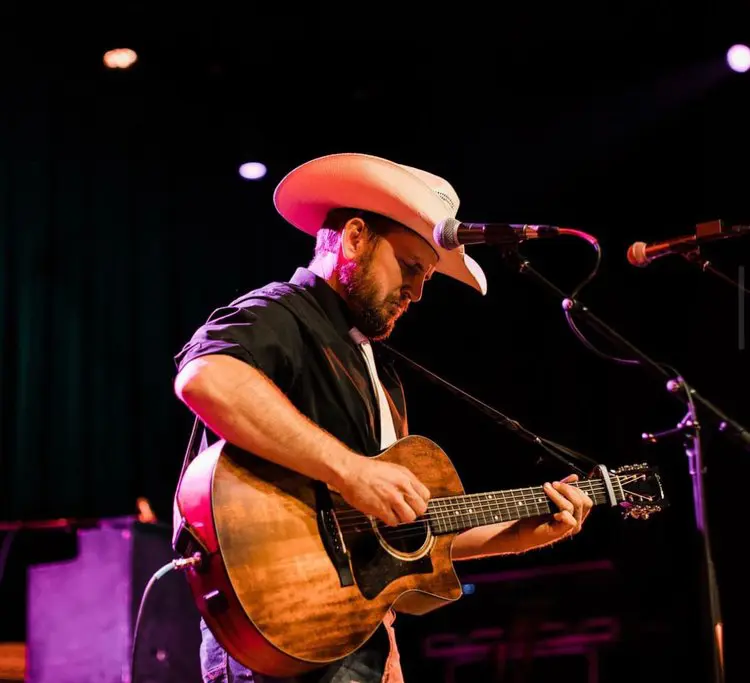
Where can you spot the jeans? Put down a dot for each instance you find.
(371, 663)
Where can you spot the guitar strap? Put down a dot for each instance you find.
(184, 541)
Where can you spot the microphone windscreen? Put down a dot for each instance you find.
(445, 233)
(637, 254)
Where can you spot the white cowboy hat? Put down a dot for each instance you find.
(417, 199)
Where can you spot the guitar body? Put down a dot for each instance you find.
(284, 592)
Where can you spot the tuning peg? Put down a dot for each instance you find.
(630, 468)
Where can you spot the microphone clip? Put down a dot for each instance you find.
(705, 232)
(510, 254)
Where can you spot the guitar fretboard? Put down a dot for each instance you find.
(458, 513)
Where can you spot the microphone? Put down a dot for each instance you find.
(641, 254)
(451, 233)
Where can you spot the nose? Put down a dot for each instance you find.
(415, 288)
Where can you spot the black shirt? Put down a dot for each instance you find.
(297, 334)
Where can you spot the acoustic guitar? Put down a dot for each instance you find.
(293, 578)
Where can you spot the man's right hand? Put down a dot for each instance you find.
(385, 490)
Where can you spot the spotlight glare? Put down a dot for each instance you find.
(252, 170)
(121, 58)
(738, 58)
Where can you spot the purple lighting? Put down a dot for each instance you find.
(738, 58)
(252, 170)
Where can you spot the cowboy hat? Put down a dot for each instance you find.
(414, 198)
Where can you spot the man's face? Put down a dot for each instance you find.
(384, 276)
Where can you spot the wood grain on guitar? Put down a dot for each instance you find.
(294, 578)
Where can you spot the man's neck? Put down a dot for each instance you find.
(325, 267)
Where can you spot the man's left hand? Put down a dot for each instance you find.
(573, 507)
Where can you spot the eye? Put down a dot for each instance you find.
(413, 268)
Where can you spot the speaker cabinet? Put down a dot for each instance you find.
(81, 613)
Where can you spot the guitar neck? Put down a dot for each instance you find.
(459, 513)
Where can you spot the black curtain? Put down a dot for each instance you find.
(102, 278)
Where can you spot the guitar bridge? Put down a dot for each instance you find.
(332, 538)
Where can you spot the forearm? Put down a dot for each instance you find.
(486, 541)
(504, 538)
(239, 404)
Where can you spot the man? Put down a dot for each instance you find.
(288, 371)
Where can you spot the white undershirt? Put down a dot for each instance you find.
(387, 428)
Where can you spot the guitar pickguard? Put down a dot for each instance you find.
(375, 556)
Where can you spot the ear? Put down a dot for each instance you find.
(353, 238)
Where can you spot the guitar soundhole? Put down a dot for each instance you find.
(406, 539)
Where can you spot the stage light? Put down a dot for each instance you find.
(121, 58)
(252, 170)
(738, 58)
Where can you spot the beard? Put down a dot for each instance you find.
(373, 315)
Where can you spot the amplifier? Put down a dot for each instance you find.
(81, 613)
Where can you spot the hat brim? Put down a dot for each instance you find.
(306, 195)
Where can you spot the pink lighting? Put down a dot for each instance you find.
(252, 170)
(738, 58)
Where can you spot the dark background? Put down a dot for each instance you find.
(124, 222)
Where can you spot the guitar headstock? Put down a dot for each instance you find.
(639, 487)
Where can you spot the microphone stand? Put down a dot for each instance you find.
(689, 426)
(695, 258)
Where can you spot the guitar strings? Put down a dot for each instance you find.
(404, 531)
(450, 504)
(355, 520)
(510, 498)
(437, 522)
(418, 527)
(445, 507)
